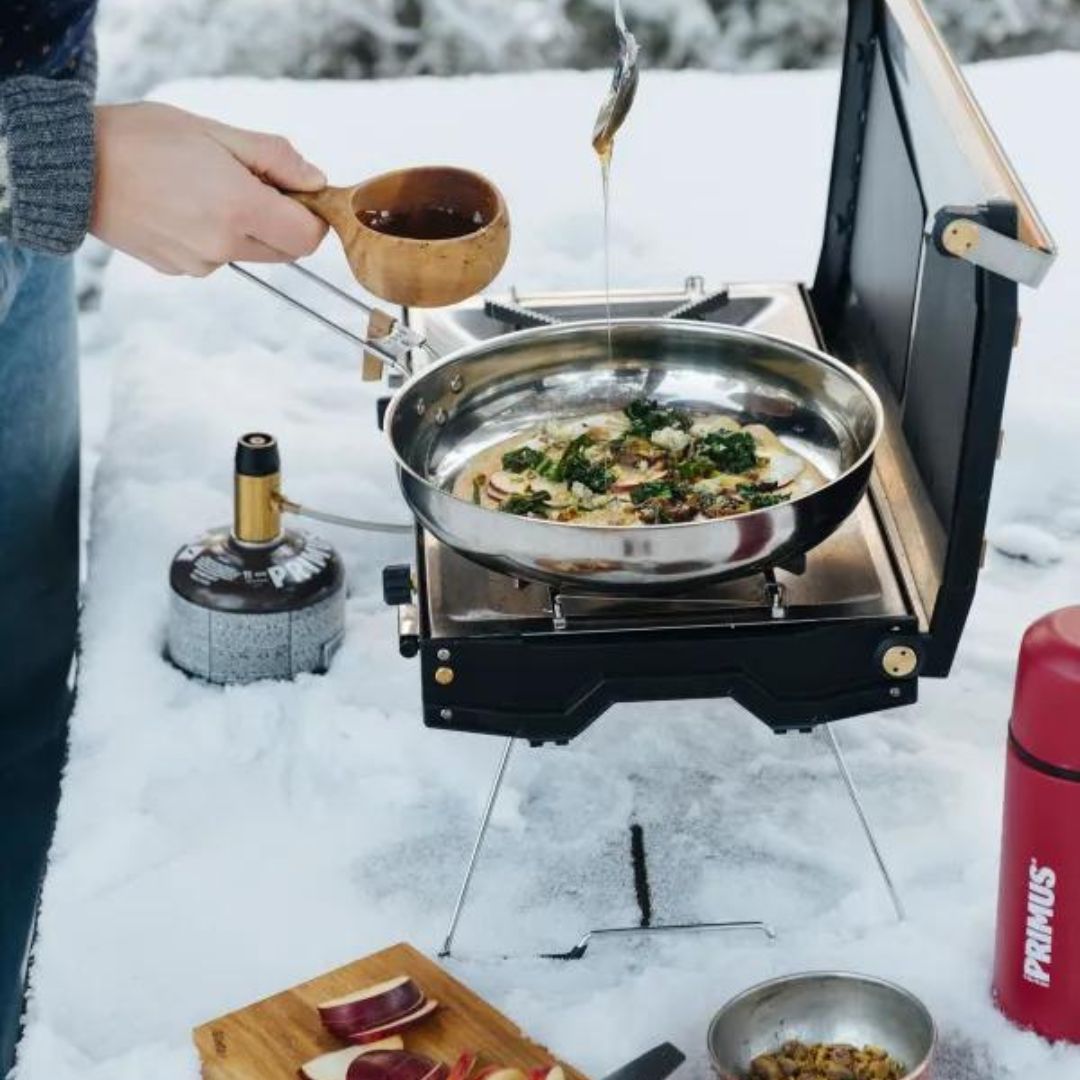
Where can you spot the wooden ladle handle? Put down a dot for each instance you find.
(333, 205)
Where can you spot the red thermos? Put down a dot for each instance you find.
(1037, 968)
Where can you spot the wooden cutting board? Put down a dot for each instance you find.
(271, 1039)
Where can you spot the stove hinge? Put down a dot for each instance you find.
(961, 231)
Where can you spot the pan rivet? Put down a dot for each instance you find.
(440, 417)
(444, 676)
(421, 406)
(894, 691)
(443, 655)
(900, 662)
(457, 384)
(446, 714)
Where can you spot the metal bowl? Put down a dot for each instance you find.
(822, 1007)
(473, 399)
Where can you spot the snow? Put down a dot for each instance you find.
(217, 845)
(1028, 543)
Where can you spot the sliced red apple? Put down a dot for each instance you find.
(335, 1065)
(500, 1072)
(395, 1065)
(548, 1072)
(463, 1067)
(626, 479)
(394, 1026)
(507, 483)
(373, 1007)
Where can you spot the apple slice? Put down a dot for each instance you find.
(463, 1067)
(547, 1072)
(371, 1008)
(500, 1072)
(370, 1035)
(626, 479)
(395, 1065)
(335, 1065)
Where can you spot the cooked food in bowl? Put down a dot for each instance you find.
(811, 1025)
(647, 464)
(825, 1061)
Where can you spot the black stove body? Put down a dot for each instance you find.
(928, 235)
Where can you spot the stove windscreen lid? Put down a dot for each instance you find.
(929, 234)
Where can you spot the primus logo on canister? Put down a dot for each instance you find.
(1039, 937)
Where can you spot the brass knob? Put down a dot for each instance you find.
(960, 237)
(900, 661)
(444, 676)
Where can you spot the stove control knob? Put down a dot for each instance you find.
(899, 659)
(397, 585)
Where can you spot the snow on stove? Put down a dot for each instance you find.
(217, 845)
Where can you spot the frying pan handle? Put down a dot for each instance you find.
(393, 341)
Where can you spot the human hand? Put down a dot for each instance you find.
(186, 194)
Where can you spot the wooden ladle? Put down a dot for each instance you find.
(374, 221)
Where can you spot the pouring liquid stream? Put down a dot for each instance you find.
(605, 176)
(612, 113)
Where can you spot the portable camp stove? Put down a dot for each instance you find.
(470, 623)
(928, 234)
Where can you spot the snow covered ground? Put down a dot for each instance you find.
(216, 845)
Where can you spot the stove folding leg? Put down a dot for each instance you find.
(853, 792)
(579, 950)
(478, 844)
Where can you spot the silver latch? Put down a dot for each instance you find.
(970, 240)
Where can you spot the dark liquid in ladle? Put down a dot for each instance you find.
(423, 222)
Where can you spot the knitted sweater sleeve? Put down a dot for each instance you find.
(47, 158)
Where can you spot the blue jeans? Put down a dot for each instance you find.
(39, 580)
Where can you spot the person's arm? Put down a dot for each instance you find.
(47, 158)
(181, 192)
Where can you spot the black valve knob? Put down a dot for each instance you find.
(397, 587)
(257, 455)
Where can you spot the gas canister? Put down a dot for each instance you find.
(1037, 966)
(257, 600)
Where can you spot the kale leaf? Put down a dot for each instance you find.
(575, 467)
(758, 498)
(666, 490)
(695, 468)
(730, 451)
(534, 504)
(647, 415)
(522, 459)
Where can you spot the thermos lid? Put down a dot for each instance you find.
(1046, 708)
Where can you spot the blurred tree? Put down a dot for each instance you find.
(146, 43)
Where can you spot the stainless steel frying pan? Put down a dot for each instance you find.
(483, 394)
